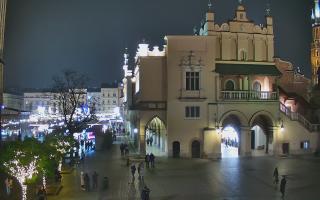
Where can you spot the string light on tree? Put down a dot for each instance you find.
(22, 172)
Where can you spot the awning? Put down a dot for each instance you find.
(247, 69)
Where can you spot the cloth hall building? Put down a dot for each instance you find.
(216, 90)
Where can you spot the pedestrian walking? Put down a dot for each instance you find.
(139, 167)
(94, 180)
(141, 171)
(152, 158)
(82, 183)
(122, 149)
(87, 182)
(145, 193)
(8, 183)
(126, 149)
(283, 186)
(133, 169)
(275, 176)
(147, 160)
(150, 141)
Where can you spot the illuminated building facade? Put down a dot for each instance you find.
(315, 45)
(215, 89)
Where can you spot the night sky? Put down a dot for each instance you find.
(44, 37)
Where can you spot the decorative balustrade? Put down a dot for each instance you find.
(295, 116)
(249, 95)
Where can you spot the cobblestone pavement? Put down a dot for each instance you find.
(196, 179)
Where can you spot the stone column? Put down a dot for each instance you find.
(276, 141)
(142, 140)
(245, 141)
(218, 86)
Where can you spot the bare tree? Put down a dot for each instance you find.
(71, 92)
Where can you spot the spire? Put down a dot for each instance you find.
(210, 6)
(240, 2)
(268, 10)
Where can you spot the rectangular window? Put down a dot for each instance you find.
(305, 145)
(192, 80)
(192, 112)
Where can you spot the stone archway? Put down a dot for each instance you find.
(156, 137)
(261, 125)
(231, 126)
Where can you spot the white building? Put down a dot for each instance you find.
(14, 101)
(217, 88)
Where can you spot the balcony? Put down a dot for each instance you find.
(249, 95)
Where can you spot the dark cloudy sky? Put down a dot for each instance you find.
(43, 37)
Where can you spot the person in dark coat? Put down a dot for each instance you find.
(147, 160)
(122, 148)
(275, 176)
(133, 171)
(145, 193)
(150, 141)
(152, 158)
(126, 149)
(283, 186)
(94, 180)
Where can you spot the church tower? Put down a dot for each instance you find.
(3, 5)
(315, 45)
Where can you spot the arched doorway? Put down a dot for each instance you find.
(230, 137)
(261, 135)
(229, 142)
(155, 138)
(258, 140)
(195, 149)
(176, 149)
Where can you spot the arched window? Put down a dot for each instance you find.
(229, 85)
(257, 86)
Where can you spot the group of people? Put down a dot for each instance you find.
(85, 181)
(230, 142)
(88, 145)
(124, 148)
(139, 169)
(283, 181)
(149, 141)
(149, 159)
(145, 192)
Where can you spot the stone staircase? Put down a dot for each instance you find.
(295, 116)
